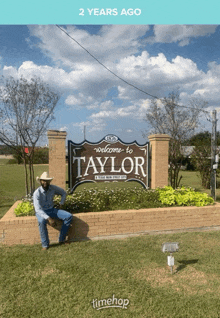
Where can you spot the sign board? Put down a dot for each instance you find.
(109, 160)
(170, 247)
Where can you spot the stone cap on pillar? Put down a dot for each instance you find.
(56, 134)
(159, 137)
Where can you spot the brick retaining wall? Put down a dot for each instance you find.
(93, 225)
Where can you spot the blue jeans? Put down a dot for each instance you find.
(55, 214)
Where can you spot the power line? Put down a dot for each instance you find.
(104, 65)
(126, 82)
(214, 121)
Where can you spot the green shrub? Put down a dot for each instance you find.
(183, 196)
(41, 156)
(95, 200)
(5, 150)
(24, 209)
(12, 162)
(17, 154)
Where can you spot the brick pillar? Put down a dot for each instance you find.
(57, 157)
(159, 149)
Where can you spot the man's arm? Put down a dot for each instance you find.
(61, 192)
(37, 206)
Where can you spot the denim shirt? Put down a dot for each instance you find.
(43, 200)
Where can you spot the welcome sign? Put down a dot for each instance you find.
(109, 160)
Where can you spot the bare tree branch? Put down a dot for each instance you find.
(168, 117)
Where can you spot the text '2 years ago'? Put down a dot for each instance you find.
(109, 11)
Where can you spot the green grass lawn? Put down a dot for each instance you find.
(12, 184)
(191, 179)
(63, 281)
(3, 161)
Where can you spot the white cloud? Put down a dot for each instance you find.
(52, 75)
(206, 87)
(111, 43)
(72, 100)
(135, 112)
(107, 105)
(89, 86)
(81, 124)
(180, 33)
(145, 68)
(64, 128)
(156, 75)
(104, 114)
(85, 83)
(115, 46)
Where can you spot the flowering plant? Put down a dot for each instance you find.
(95, 200)
(183, 196)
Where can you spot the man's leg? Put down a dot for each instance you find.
(66, 217)
(42, 225)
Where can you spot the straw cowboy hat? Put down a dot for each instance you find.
(44, 176)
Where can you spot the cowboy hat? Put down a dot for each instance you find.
(44, 176)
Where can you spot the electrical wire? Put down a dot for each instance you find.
(104, 65)
(126, 82)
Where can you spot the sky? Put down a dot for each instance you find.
(157, 59)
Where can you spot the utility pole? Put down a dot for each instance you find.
(214, 164)
(84, 131)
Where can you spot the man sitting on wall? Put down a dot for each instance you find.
(45, 211)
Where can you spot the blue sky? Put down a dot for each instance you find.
(156, 58)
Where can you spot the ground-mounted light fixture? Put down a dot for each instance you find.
(170, 247)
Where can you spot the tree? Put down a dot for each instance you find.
(201, 159)
(201, 155)
(26, 109)
(166, 116)
(203, 137)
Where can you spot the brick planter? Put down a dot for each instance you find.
(111, 224)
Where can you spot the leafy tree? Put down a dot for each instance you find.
(201, 155)
(4, 150)
(166, 116)
(41, 155)
(18, 154)
(26, 109)
(204, 137)
(202, 162)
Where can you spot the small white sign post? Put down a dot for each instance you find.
(170, 247)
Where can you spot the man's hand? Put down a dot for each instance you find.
(51, 221)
